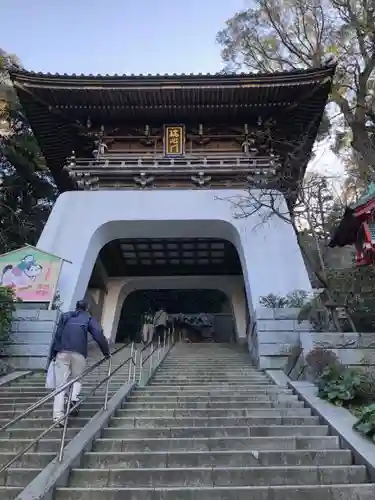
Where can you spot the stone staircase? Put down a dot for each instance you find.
(22, 393)
(210, 427)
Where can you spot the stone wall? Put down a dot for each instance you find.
(30, 338)
(274, 338)
(277, 341)
(352, 349)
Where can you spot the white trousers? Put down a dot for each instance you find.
(68, 364)
(147, 332)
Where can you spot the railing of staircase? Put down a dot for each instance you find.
(136, 359)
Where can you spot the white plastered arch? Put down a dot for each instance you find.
(82, 222)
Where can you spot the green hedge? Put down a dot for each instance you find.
(7, 306)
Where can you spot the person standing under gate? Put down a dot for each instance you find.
(69, 349)
(160, 324)
(148, 327)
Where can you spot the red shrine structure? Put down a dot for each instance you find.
(357, 227)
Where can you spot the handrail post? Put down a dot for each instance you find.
(107, 384)
(150, 365)
(140, 366)
(130, 364)
(135, 365)
(62, 442)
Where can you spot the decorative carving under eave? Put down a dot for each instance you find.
(248, 146)
(70, 163)
(100, 149)
(143, 180)
(201, 179)
(85, 180)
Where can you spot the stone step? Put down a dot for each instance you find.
(29, 400)
(36, 422)
(90, 385)
(147, 422)
(207, 369)
(225, 357)
(232, 458)
(211, 391)
(213, 412)
(214, 432)
(33, 432)
(210, 405)
(14, 406)
(18, 476)
(28, 460)
(215, 363)
(17, 445)
(45, 413)
(217, 476)
(190, 382)
(129, 444)
(234, 399)
(209, 378)
(42, 393)
(295, 492)
(9, 492)
(215, 368)
(216, 383)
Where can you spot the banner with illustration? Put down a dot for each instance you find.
(32, 273)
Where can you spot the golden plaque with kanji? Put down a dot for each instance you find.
(174, 140)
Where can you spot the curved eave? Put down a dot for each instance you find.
(364, 207)
(261, 79)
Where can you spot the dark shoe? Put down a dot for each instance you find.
(60, 425)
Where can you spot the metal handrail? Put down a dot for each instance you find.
(169, 334)
(65, 416)
(57, 391)
(132, 358)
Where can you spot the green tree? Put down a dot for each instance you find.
(277, 35)
(27, 190)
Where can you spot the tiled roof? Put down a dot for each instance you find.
(301, 73)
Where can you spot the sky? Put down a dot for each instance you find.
(121, 36)
(115, 36)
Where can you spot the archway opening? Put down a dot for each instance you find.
(190, 268)
(206, 312)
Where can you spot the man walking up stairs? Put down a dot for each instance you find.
(211, 427)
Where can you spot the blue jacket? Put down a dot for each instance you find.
(71, 334)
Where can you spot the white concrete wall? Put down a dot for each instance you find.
(269, 254)
(120, 288)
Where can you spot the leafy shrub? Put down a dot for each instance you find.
(7, 306)
(297, 298)
(318, 359)
(366, 422)
(273, 301)
(339, 386)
